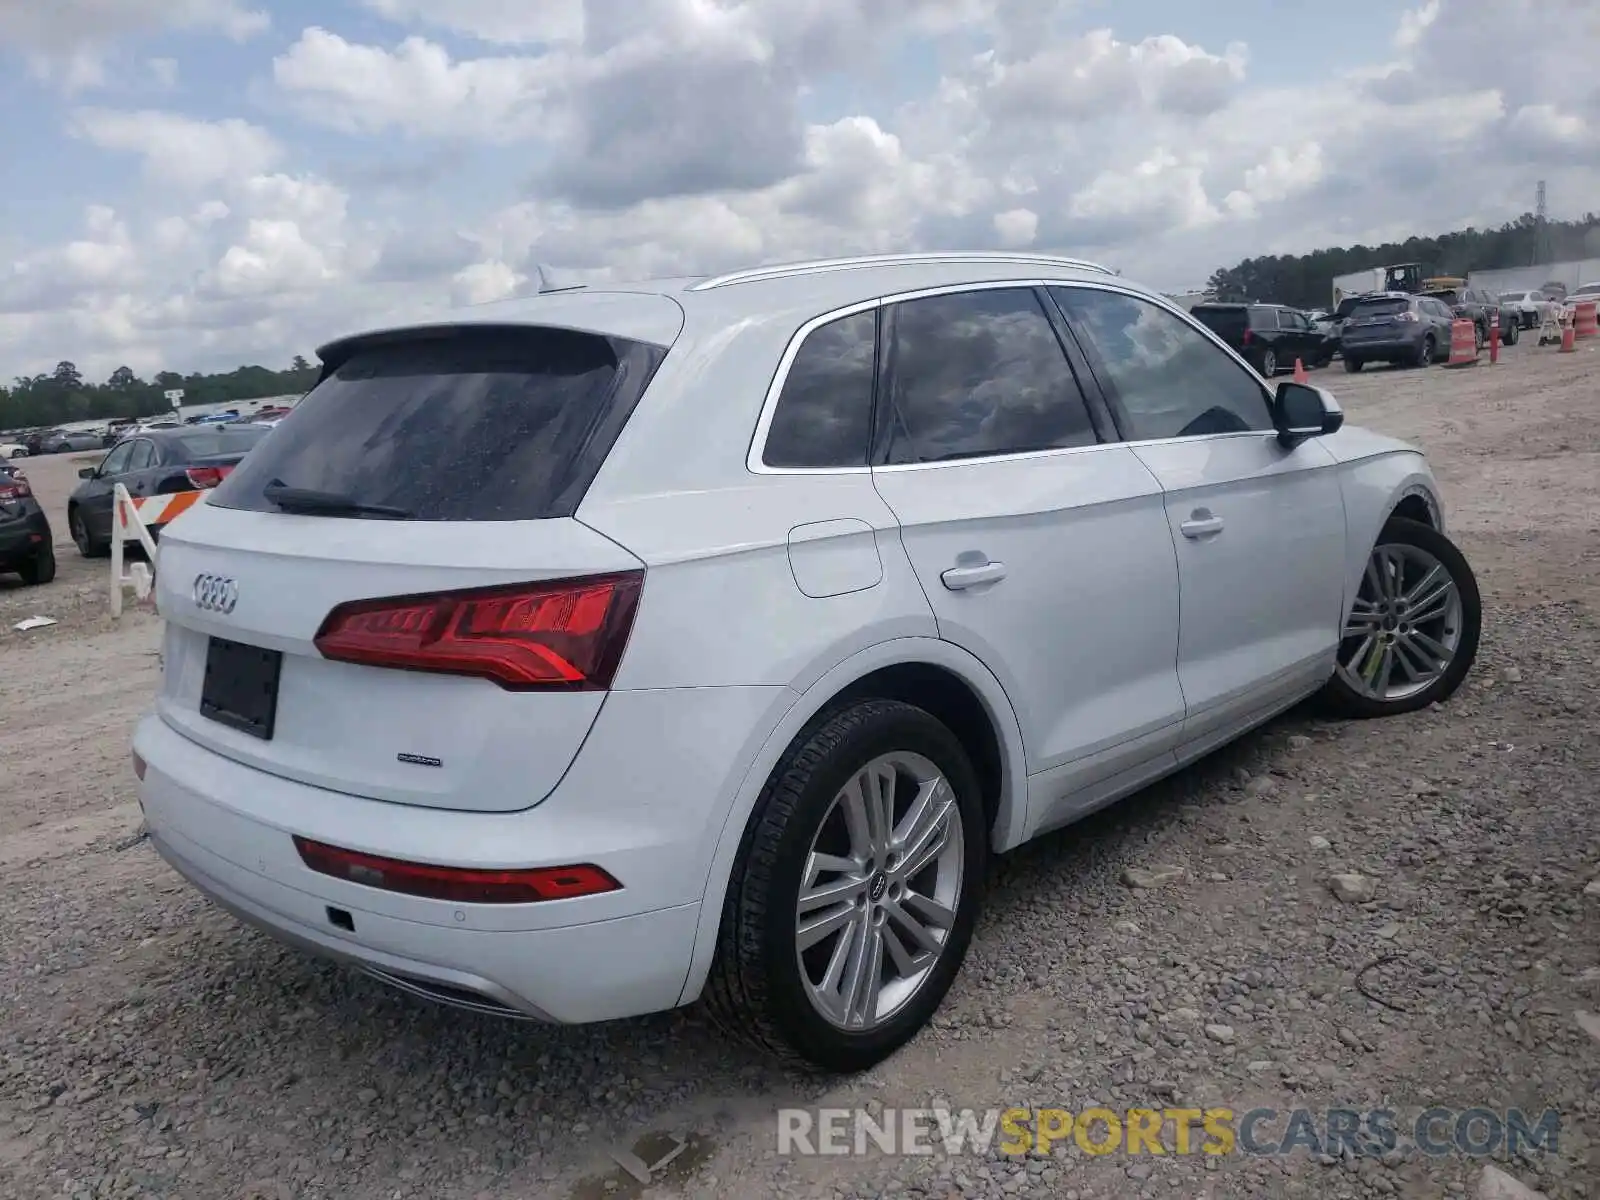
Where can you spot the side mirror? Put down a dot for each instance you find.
(87, 472)
(1300, 411)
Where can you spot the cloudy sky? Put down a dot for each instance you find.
(193, 184)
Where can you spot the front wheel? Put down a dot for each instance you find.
(1413, 629)
(1353, 364)
(855, 890)
(88, 545)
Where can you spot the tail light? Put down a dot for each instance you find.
(206, 477)
(564, 635)
(1406, 316)
(15, 488)
(464, 885)
(1246, 339)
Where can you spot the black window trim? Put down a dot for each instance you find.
(1087, 381)
(1102, 376)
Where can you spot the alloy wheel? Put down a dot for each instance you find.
(1405, 626)
(881, 887)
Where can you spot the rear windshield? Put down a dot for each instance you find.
(1227, 323)
(474, 425)
(1380, 308)
(1445, 296)
(230, 439)
(1512, 297)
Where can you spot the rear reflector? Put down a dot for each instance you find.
(206, 477)
(466, 885)
(562, 635)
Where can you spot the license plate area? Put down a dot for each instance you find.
(240, 689)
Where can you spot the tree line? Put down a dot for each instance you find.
(1306, 280)
(64, 395)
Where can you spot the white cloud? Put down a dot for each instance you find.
(180, 151)
(614, 140)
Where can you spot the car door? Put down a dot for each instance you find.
(1042, 548)
(139, 469)
(1258, 529)
(1297, 333)
(96, 497)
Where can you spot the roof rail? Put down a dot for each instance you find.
(929, 258)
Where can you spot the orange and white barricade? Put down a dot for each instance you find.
(1584, 324)
(1463, 343)
(132, 518)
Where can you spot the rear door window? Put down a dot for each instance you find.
(479, 424)
(980, 373)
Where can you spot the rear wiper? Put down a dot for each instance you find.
(310, 501)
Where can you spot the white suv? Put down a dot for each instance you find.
(605, 650)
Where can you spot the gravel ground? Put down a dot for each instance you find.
(150, 1046)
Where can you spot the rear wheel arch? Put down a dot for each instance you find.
(959, 691)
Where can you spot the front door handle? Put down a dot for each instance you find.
(1201, 523)
(957, 578)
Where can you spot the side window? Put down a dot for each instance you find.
(116, 462)
(143, 456)
(824, 413)
(1171, 380)
(1264, 319)
(980, 373)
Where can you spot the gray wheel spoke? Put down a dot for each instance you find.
(1434, 606)
(920, 835)
(857, 818)
(1413, 663)
(817, 928)
(930, 911)
(835, 891)
(899, 956)
(1361, 624)
(1435, 578)
(863, 975)
(1440, 653)
(918, 932)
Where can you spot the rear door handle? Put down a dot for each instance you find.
(958, 578)
(1202, 523)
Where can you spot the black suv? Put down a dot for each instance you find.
(1483, 307)
(1268, 336)
(25, 543)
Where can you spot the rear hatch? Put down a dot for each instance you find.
(1230, 322)
(389, 596)
(1378, 319)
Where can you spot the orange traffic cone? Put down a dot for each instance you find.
(1300, 375)
(1569, 334)
(1463, 343)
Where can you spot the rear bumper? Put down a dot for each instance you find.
(646, 799)
(1386, 347)
(24, 535)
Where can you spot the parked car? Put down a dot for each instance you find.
(1268, 336)
(1395, 327)
(59, 441)
(141, 427)
(608, 654)
(13, 450)
(26, 546)
(1532, 307)
(1587, 291)
(1483, 308)
(155, 463)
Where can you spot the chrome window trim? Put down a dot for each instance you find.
(758, 440)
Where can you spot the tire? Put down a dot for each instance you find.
(1353, 364)
(1513, 332)
(758, 989)
(1419, 549)
(1480, 337)
(1269, 363)
(88, 545)
(1425, 355)
(40, 569)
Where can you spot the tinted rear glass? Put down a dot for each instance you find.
(230, 439)
(1447, 296)
(482, 425)
(1379, 308)
(1227, 323)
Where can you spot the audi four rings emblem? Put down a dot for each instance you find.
(215, 593)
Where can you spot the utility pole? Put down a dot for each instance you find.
(1541, 230)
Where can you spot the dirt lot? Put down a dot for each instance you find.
(150, 1046)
